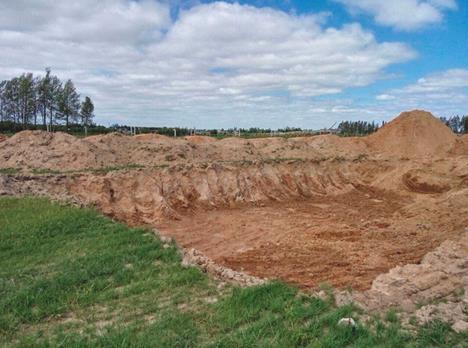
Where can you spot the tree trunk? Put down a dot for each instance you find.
(44, 117)
(50, 119)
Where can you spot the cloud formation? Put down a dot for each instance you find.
(405, 15)
(444, 93)
(214, 65)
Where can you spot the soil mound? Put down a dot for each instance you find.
(199, 139)
(332, 145)
(461, 146)
(412, 134)
(151, 137)
(2, 138)
(415, 134)
(101, 138)
(31, 149)
(442, 274)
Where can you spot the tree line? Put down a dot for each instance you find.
(457, 124)
(43, 100)
(357, 128)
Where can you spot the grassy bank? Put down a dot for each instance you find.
(72, 278)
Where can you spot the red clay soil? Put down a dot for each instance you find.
(343, 240)
(306, 210)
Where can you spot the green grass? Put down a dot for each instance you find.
(9, 171)
(72, 278)
(116, 168)
(101, 170)
(46, 171)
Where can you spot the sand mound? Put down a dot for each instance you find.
(332, 145)
(30, 149)
(103, 137)
(461, 146)
(199, 139)
(413, 134)
(233, 141)
(151, 137)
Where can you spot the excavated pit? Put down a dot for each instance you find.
(305, 210)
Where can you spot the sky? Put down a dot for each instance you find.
(257, 63)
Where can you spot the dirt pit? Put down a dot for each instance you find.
(305, 210)
(344, 240)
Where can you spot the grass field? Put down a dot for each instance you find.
(72, 278)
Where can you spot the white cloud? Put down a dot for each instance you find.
(402, 14)
(444, 93)
(440, 83)
(215, 65)
(385, 97)
(86, 20)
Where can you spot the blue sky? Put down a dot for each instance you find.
(266, 63)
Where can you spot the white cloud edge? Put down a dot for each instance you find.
(402, 15)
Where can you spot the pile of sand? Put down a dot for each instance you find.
(57, 151)
(413, 134)
(461, 146)
(150, 137)
(199, 139)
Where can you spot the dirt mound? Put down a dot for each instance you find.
(2, 138)
(199, 139)
(448, 261)
(334, 146)
(103, 137)
(55, 151)
(151, 137)
(413, 134)
(461, 146)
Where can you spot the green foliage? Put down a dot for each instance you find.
(87, 112)
(10, 127)
(69, 103)
(72, 278)
(357, 128)
(456, 123)
(391, 316)
(9, 171)
(101, 170)
(27, 102)
(438, 334)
